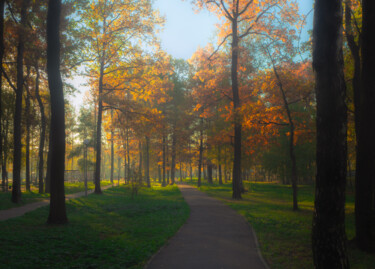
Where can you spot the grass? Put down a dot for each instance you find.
(104, 231)
(285, 235)
(33, 196)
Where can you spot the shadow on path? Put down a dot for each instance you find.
(214, 237)
(22, 210)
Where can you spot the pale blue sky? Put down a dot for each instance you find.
(185, 30)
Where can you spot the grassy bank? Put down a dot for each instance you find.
(33, 195)
(104, 231)
(285, 235)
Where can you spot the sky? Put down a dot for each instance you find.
(184, 31)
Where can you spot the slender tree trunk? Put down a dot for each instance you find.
(164, 183)
(112, 149)
(328, 232)
(219, 165)
(128, 152)
(200, 155)
(48, 174)
(173, 164)
(119, 170)
(365, 174)
(159, 173)
(17, 133)
(57, 212)
(209, 171)
(236, 183)
(28, 124)
(148, 162)
(140, 163)
(291, 137)
(99, 132)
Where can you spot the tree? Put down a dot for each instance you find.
(365, 176)
(16, 189)
(328, 234)
(2, 2)
(57, 212)
(251, 17)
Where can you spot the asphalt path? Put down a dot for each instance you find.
(214, 237)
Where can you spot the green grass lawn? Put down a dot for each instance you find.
(285, 235)
(104, 231)
(33, 195)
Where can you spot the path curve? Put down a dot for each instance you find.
(22, 210)
(214, 237)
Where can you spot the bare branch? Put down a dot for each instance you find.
(245, 8)
(217, 49)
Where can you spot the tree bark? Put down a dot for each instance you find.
(163, 165)
(200, 155)
(112, 149)
(99, 132)
(328, 231)
(140, 163)
(42, 137)
(236, 183)
(365, 174)
(2, 2)
(292, 154)
(57, 211)
(173, 164)
(148, 162)
(28, 124)
(209, 171)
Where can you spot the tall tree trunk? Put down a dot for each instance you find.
(140, 163)
(173, 164)
(48, 174)
(128, 153)
(17, 133)
(118, 170)
(42, 137)
(99, 132)
(28, 124)
(292, 154)
(219, 165)
(57, 211)
(209, 171)
(159, 173)
(328, 231)
(236, 183)
(147, 168)
(164, 183)
(365, 176)
(2, 139)
(200, 161)
(112, 148)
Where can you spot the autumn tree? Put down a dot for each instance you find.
(242, 18)
(328, 235)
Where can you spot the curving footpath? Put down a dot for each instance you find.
(214, 237)
(22, 210)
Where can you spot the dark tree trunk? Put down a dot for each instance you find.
(200, 155)
(99, 132)
(209, 172)
(112, 149)
(159, 173)
(140, 163)
(219, 164)
(164, 183)
(236, 183)
(28, 124)
(2, 139)
(148, 162)
(328, 231)
(365, 175)
(57, 212)
(43, 131)
(292, 154)
(48, 174)
(17, 133)
(173, 164)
